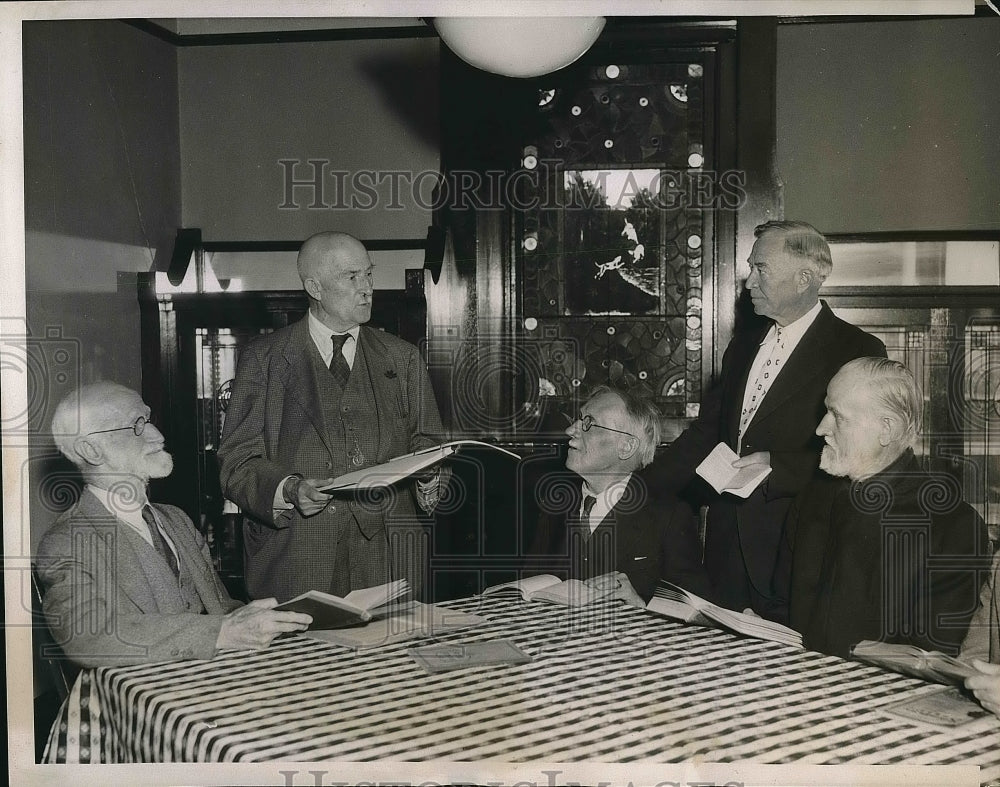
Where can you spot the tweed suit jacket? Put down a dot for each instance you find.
(276, 425)
(646, 538)
(983, 639)
(784, 424)
(111, 599)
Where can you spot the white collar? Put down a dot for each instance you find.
(321, 334)
(796, 329)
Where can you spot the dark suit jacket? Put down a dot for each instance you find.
(110, 599)
(645, 538)
(785, 424)
(896, 557)
(276, 425)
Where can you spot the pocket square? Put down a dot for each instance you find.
(643, 557)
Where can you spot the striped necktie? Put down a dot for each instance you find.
(338, 363)
(159, 539)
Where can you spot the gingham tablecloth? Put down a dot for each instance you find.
(608, 683)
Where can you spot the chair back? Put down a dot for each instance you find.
(55, 665)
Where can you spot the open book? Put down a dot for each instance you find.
(717, 468)
(675, 602)
(910, 660)
(356, 609)
(404, 622)
(402, 467)
(571, 592)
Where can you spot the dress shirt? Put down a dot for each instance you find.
(791, 335)
(321, 338)
(131, 515)
(606, 500)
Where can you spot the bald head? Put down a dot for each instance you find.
(336, 273)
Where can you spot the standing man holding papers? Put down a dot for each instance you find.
(766, 408)
(311, 402)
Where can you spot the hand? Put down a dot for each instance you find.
(253, 626)
(756, 458)
(618, 586)
(304, 495)
(986, 685)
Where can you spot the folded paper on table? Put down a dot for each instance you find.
(405, 622)
(675, 602)
(443, 658)
(717, 468)
(401, 467)
(946, 708)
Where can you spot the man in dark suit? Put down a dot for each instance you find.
(878, 547)
(127, 581)
(611, 523)
(766, 408)
(310, 402)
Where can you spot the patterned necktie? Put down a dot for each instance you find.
(159, 539)
(765, 377)
(338, 363)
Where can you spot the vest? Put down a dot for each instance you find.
(352, 425)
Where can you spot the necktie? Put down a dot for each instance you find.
(338, 363)
(159, 539)
(588, 506)
(756, 392)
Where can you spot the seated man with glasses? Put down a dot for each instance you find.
(613, 522)
(126, 581)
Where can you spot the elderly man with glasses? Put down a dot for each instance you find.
(611, 522)
(127, 581)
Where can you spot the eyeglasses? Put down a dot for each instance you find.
(137, 428)
(587, 422)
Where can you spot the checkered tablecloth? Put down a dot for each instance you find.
(608, 683)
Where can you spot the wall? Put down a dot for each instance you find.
(355, 105)
(102, 195)
(890, 125)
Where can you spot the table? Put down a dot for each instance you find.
(608, 683)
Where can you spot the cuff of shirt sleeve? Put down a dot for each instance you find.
(279, 503)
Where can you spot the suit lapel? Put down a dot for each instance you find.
(299, 378)
(806, 361)
(384, 379)
(130, 565)
(193, 564)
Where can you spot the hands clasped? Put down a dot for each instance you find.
(253, 626)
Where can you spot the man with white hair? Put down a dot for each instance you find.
(879, 548)
(128, 581)
(612, 522)
(765, 408)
